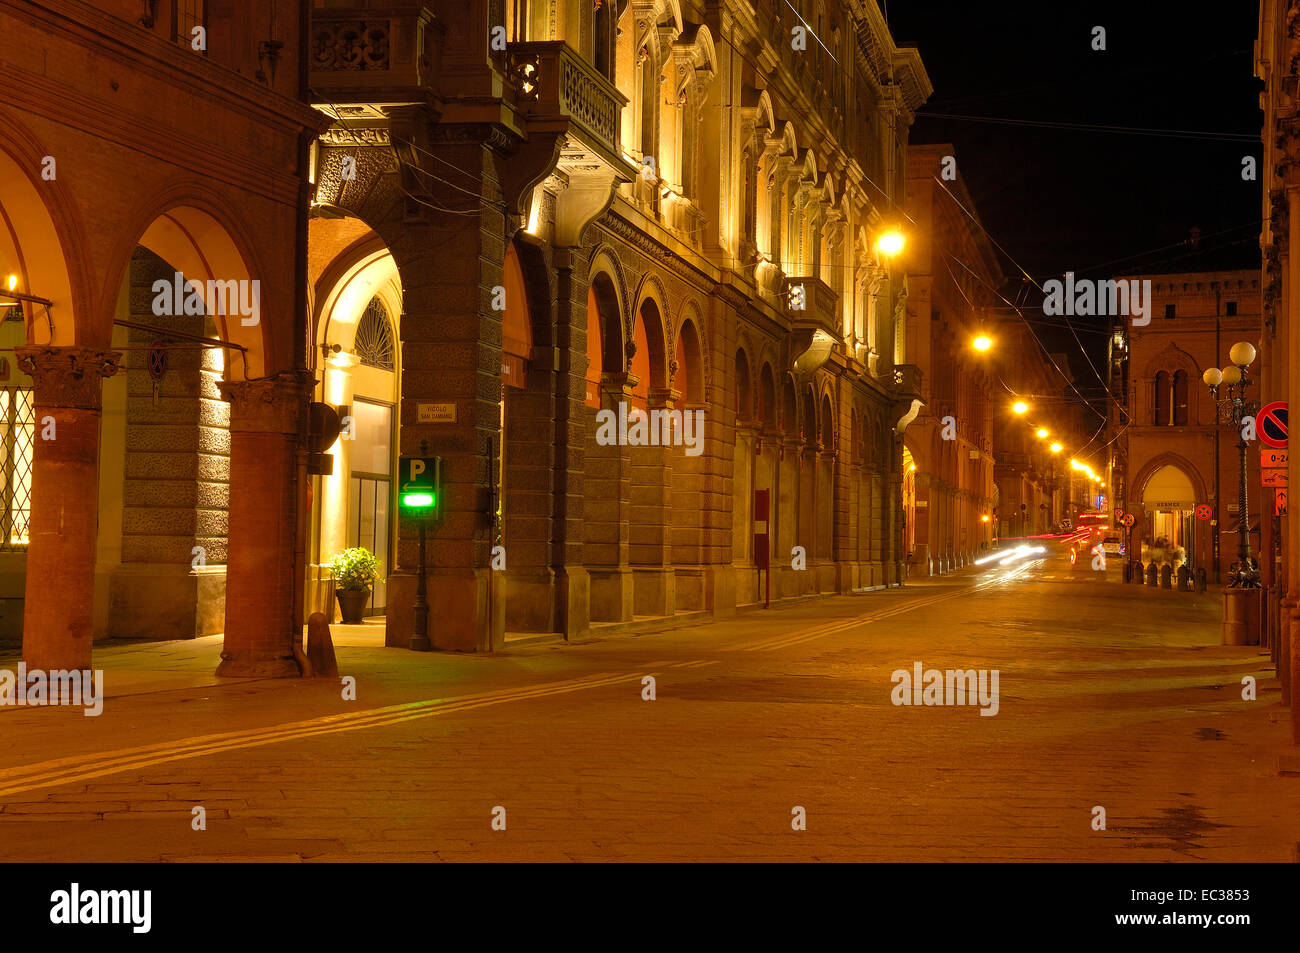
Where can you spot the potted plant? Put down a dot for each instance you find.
(354, 572)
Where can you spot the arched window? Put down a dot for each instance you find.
(374, 340)
(1162, 399)
(1180, 398)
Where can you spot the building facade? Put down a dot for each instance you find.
(151, 486)
(948, 455)
(1277, 67)
(1172, 451)
(497, 223)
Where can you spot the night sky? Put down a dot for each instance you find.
(1100, 204)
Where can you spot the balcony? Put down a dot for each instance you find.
(556, 90)
(907, 380)
(369, 56)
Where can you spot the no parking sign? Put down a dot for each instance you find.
(1271, 424)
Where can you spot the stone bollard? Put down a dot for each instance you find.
(320, 647)
(1153, 572)
(1184, 578)
(1200, 578)
(1166, 576)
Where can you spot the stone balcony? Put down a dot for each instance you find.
(556, 90)
(374, 56)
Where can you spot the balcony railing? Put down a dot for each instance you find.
(552, 84)
(356, 53)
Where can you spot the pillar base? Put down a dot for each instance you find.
(1241, 616)
(458, 610)
(258, 668)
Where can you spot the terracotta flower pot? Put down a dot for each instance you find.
(352, 604)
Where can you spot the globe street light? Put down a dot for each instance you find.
(982, 343)
(1020, 407)
(1232, 410)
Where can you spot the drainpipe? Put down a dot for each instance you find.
(300, 330)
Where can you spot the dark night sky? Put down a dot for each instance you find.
(1067, 199)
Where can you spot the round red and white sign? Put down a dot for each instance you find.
(1203, 511)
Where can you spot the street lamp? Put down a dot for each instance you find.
(982, 343)
(1042, 432)
(1244, 573)
(1020, 407)
(891, 242)
(1056, 448)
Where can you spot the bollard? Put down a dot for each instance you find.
(1153, 572)
(320, 647)
(1166, 576)
(1184, 578)
(1200, 578)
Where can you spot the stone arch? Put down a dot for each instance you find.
(688, 374)
(744, 387)
(811, 427)
(829, 436)
(767, 397)
(40, 243)
(1168, 459)
(652, 318)
(192, 231)
(1171, 358)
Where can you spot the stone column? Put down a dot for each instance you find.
(67, 387)
(606, 527)
(650, 550)
(572, 582)
(267, 417)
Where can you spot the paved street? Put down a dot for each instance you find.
(1110, 695)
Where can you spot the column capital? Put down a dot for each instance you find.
(268, 404)
(68, 376)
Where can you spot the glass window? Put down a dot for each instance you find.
(372, 427)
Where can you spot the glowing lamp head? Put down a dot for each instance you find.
(1042, 432)
(1213, 377)
(1056, 448)
(984, 518)
(1242, 353)
(983, 342)
(1020, 407)
(13, 282)
(1231, 374)
(891, 242)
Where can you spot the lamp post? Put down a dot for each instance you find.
(1244, 573)
(1241, 604)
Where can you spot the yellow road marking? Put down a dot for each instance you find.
(81, 768)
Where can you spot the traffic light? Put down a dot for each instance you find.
(420, 488)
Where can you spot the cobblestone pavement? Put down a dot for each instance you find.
(1111, 696)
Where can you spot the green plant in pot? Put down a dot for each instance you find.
(354, 572)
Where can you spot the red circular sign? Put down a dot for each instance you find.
(1203, 511)
(1271, 424)
(1128, 519)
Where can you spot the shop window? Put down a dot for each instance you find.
(17, 427)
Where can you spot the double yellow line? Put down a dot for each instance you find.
(60, 771)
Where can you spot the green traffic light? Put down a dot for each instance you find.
(417, 500)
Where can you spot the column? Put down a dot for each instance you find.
(650, 552)
(67, 387)
(267, 417)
